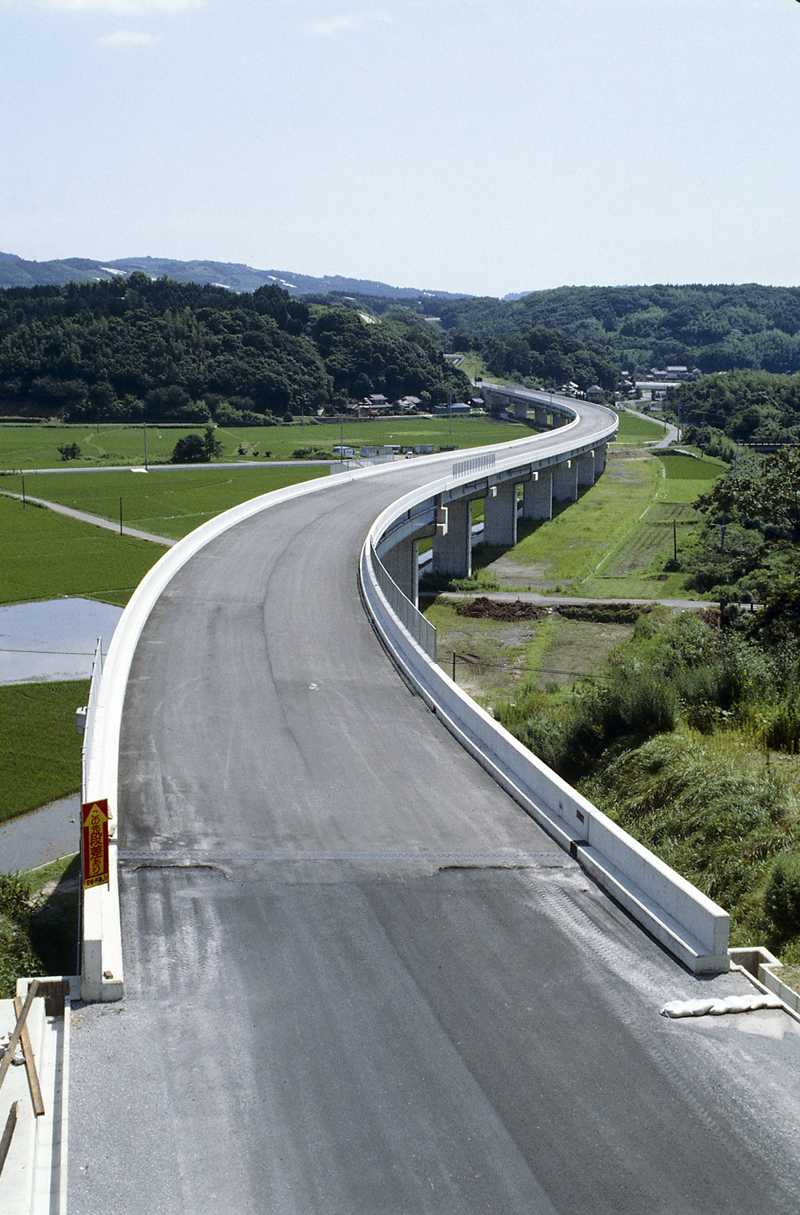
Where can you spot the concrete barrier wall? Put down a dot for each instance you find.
(689, 925)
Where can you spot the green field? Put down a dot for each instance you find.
(43, 556)
(635, 432)
(613, 542)
(40, 759)
(35, 445)
(164, 503)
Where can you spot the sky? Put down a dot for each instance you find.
(484, 146)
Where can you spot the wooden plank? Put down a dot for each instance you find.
(8, 1133)
(30, 1063)
(5, 1062)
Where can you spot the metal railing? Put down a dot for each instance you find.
(472, 464)
(91, 710)
(410, 617)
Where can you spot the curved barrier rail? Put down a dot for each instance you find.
(413, 621)
(690, 926)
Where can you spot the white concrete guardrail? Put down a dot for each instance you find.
(102, 973)
(692, 927)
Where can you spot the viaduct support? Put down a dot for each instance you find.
(600, 456)
(537, 496)
(500, 517)
(565, 481)
(452, 553)
(521, 409)
(542, 420)
(401, 565)
(586, 475)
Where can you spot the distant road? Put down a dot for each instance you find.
(574, 601)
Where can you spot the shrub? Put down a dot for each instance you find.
(69, 451)
(782, 895)
(189, 450)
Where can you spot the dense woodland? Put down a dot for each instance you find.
(714, 328)
(133, 348)
(746, 406)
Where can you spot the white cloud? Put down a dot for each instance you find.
(145, 8)
(128, 38)
(344, 23)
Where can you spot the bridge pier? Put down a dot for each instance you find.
(586, 475)
(541, 416)
(452, 552)
(600, 458)
(401, 565)
(500, 517)
(565, 481)
(537, 495)
(521, 409)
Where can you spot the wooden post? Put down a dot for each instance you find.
(8, 1133)
(30, 1064)
(5, 1062)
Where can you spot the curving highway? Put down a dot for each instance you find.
(360, 980)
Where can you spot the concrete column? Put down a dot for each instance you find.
(537, 496)
(521, 409)
(401, 564)
(565, 481)
(586, 469)
(500, 517)
(452, 554)
(600, 454)
(542, 420)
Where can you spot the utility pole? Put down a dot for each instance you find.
(144, 431)
(24, 503)
(341, 437)
(120, 516)
(675, 541)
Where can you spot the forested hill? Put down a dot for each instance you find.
(715, 328)
(18, 272)
(133, 348)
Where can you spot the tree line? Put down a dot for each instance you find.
(140, 349)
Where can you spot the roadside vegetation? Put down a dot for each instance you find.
(40, 759)
(38, 922)
(689, 738)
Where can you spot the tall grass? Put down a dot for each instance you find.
(670, 741)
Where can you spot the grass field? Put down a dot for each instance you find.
(40, 759)
(164, 503)
(35, 445)
(634, 432)
(613, 542)
(43, 556)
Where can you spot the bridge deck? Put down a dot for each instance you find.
(359, 978)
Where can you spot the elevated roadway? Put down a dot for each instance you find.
(359, 979)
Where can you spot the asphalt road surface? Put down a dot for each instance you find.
(360, 980)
